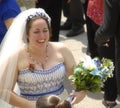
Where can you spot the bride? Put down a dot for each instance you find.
(28, 58)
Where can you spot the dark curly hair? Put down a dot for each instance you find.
(52, 101)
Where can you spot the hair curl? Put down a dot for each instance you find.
(52, 101)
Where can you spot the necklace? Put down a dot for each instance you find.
(35, 63)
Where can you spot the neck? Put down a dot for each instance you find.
(35, 50)
(38, 57)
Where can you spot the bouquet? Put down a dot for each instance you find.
(90, 74)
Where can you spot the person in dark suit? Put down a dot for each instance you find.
(67, 25)
(110, 29)
(74, 12)
(77, 19)
(94, 18)
(53, 8)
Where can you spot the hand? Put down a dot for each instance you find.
(78, 96)
(33, 104)
(106, 44)
(101, 40)
(68, 1)
(36, 1)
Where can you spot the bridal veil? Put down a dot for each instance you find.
(13, 41)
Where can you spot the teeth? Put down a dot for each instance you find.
(41, 40)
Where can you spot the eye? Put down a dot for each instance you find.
(36, 32)
(46, 30)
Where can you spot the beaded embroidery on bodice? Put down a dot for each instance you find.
(41, 82)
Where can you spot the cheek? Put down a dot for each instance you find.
(30, 38)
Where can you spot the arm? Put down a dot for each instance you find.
(109, 25)
(17, 100)
(8, 22)
(69, 60)
(20, 102)
(10, 13)
(69, 64)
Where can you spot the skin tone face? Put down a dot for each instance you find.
(39, 33)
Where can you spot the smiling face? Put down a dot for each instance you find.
(38, 32)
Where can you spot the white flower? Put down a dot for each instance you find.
(88, 63)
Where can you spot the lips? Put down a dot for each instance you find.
(41, 41)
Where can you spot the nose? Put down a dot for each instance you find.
(41, 35)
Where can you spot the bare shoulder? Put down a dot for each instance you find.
(22, 52)
(23, 59)
(59, 45)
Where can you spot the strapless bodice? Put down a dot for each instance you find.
(41, 82)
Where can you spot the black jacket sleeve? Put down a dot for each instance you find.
(109, 26)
